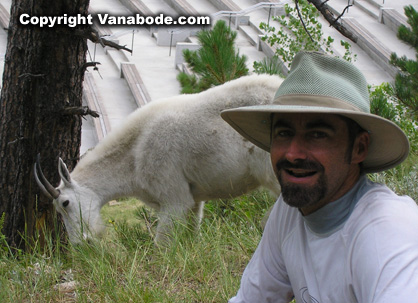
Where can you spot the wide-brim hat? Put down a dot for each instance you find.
(323, 84)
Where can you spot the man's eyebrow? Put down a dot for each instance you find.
(282, 123)
(310, 125)
(320, 124)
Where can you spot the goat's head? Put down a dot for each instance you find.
(78, 205)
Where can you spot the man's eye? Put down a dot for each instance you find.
(282, 133)
(318, 134)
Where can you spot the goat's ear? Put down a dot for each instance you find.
(64, 173)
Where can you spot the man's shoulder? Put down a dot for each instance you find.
(381, 241)
(380, 207)
(379, 199)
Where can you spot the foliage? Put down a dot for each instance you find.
(292, 37)
(406, 82)
(245, 212)
(215, 63)
(3, 243)
(402, 179)
(190, 84)
(269, 65)
(384, 102)
(126, 266)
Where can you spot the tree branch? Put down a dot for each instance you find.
(90, 64)
(80, 111)
(342, 14)
(93, 35)
(301, 19)
(323, 8)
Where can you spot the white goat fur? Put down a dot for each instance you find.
(171, 154)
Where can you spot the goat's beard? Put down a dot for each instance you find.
(299, 195)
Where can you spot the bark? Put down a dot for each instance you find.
(43, 75)
(323, 8)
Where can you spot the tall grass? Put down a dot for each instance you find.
(126, 266)
(402, 179)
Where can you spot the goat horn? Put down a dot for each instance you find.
(46, 187)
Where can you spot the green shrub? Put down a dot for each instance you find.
(215, 63)
(384, 103)
(403, 178)
(269, 65)
(406, 81)
(292, 36)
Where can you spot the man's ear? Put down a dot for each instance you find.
(361, 147)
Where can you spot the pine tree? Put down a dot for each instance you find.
(43, 75)
(215, 63)
(406, 82)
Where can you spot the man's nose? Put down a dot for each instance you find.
(296, 149)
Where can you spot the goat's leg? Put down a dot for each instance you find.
(198, 214)
(167, 217)
(164, 229)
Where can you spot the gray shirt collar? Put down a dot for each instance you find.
(332, 216)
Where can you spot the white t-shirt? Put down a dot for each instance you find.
(360, 248)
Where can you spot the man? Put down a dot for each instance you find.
(333, 235)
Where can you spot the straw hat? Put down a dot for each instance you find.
(319, 83)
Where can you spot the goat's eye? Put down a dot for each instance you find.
(65, 203)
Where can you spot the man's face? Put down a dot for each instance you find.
(311, 158)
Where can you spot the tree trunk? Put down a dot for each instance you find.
(43, 75)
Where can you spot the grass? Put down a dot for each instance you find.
(125, 266)
(402, 179)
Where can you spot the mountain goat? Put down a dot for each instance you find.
(172, 154)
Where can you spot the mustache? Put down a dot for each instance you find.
(299, 164)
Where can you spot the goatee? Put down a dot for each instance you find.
(297, 195)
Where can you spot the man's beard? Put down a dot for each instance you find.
(299, 196)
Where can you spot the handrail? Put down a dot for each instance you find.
(252, 8)
(121, 33)
(177, 30)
